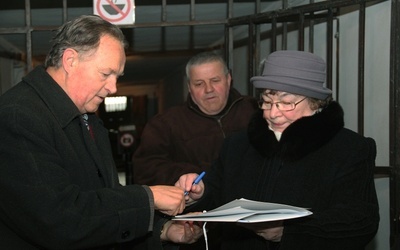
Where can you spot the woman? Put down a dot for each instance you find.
(296, 151)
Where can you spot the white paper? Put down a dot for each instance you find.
(247, 211)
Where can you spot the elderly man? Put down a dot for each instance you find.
(59, 185)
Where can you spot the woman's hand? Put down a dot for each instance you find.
(271, 231)
(181, 232)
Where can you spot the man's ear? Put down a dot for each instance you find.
(69, 59)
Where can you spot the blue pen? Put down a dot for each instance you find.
(197, 180)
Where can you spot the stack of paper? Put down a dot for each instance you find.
(247, 211)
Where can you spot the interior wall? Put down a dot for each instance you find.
(376, 103)
(11, 72)
(377, 80)
(174, 90)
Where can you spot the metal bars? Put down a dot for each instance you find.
(361, 61)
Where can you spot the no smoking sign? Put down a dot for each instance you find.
(115, 11)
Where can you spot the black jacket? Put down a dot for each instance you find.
(317, 164)
(59, 188)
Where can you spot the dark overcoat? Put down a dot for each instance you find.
(59, 187)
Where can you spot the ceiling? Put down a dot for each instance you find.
(156, 49)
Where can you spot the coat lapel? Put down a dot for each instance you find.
(94, 145)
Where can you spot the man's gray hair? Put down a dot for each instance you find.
(82, 34)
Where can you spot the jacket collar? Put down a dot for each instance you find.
(58, 102)
(300, 138)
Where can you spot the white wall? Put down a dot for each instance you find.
(376, 104)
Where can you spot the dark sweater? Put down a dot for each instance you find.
(185, 140)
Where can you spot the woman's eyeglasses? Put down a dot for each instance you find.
(282, 106)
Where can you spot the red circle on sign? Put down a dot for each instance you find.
(99, 10)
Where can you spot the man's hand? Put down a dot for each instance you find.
(196, 191)
(181, 232)
(168, 199)
(271, 231)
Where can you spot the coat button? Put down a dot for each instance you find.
(125, 234)
(99, 173)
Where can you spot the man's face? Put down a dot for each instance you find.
(95, 74)
(209, 87)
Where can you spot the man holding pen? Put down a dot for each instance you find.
(59, 185)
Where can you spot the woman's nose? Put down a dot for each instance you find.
(274, 111)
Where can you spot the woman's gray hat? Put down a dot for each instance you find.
(295, 72)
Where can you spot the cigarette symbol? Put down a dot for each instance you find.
(113, 8)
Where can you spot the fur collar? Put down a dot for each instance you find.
(302, 137)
